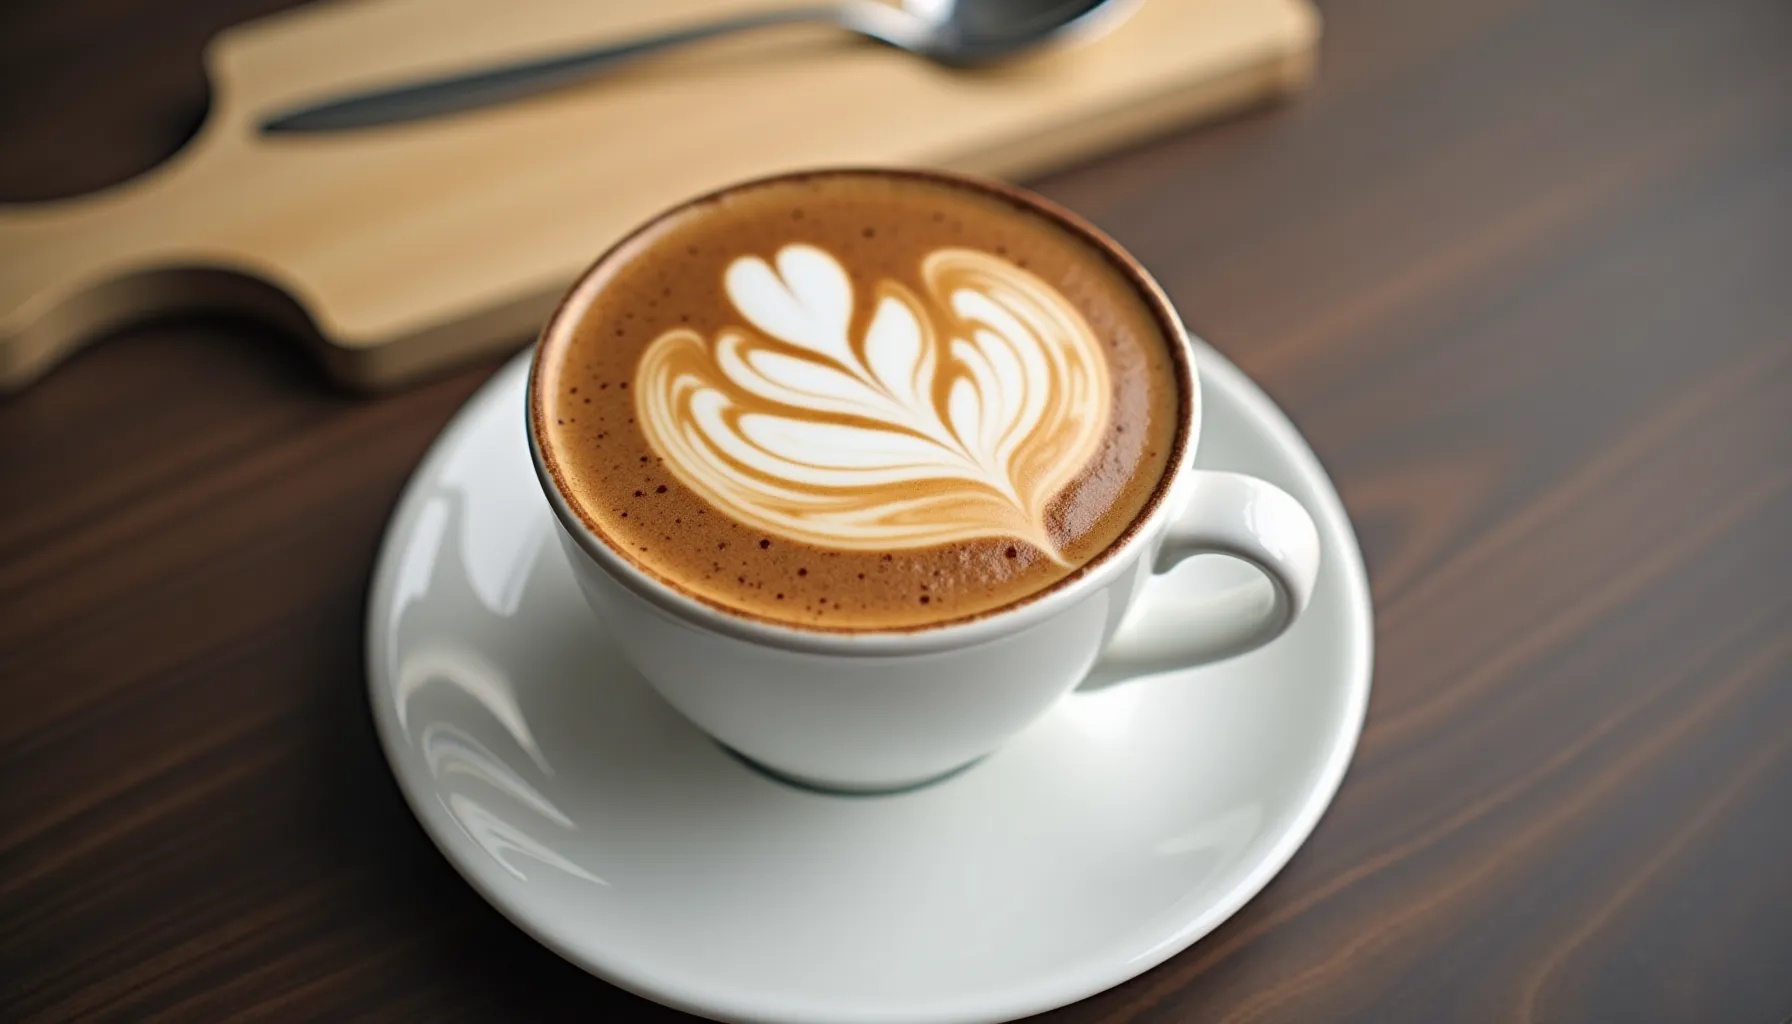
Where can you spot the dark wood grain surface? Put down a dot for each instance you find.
(1521, 269)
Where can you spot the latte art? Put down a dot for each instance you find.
(860, 400)
(954, 415)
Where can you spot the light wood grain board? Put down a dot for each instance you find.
(402, 250)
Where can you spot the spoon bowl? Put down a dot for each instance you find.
(968, 32)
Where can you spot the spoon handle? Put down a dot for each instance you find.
(484, 87)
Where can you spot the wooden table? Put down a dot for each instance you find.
(1521, 269)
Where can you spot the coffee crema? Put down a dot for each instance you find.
(859, 400)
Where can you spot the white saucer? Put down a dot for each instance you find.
(1123, 826)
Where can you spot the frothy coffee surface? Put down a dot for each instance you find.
(858, 401)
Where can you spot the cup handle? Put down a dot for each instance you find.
(1228, 514)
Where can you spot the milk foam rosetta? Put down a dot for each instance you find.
(860, 400)
(952, 415)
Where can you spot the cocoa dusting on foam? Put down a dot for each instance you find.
(852, 402)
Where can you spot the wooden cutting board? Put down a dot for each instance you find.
(402, 250)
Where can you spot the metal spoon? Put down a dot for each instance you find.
(953, 32)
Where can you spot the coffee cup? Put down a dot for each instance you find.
(867, 694)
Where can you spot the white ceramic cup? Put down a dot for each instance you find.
(882, 710)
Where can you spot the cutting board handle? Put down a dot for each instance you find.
(74, 269)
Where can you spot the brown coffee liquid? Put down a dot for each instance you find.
(881, 229)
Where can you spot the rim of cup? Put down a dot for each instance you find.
(945, 634)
